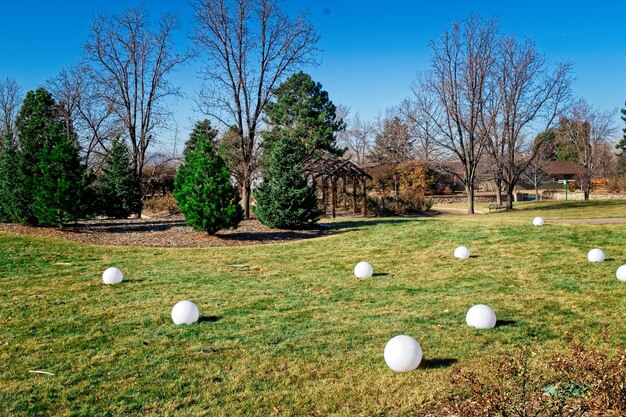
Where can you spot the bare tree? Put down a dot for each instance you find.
(84, 112)
(251, 45)
(587, 129)
(393, 143)
(462, 69)
(10, 100)
(417, 111)
(535, 173)
(129, 63)
(530, 95)
(357, 138)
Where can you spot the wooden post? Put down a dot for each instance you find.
(333, 193)
(344, 190)
(354, 183)
(324, 194)
(364, 197)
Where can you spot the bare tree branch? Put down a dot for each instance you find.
(250, 46)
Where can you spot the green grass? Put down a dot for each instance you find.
(294, 333)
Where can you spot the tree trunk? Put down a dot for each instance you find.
(498, 192)
(509, 198)
(536, 191)
(470, 198)
(245, 197)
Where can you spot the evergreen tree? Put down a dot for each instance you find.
(202, 129)
(621, 145)
(118, 189)
(284, 199)
(59, 195)
(203, 190)
(304, 111)
(37, 114)
(8, 167)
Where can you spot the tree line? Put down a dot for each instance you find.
(488, 99)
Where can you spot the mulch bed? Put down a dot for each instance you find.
(163, 231)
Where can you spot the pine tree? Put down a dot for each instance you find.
(118, 188)
(37, 114)
(203, 190)
(202, 129)
(59, 195)
(8, 167)
(284, 199)
(304, 111)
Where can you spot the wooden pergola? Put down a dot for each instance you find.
(330, 172)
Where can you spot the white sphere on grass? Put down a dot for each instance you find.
(112, 275)
(403, 353)
(538, 221)
(595, 255)
(363, 270)
(185, 312)
(461, 252)
(621, 273)
(481, 316)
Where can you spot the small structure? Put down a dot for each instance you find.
(328, 173)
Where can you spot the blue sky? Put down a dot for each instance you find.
(372, 50)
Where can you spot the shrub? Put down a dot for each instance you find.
(161, 203)
(203, 190)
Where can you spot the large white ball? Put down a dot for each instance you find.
(185, 312)
(403, 353)
(112, 275)
(621, 273)
(481, 316)
(461, 252)
(595, 255)
(538, 221)
(363, 270)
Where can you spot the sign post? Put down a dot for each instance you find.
(566, 185)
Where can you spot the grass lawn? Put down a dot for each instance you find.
(293, 332)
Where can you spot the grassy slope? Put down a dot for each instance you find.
(294, 333)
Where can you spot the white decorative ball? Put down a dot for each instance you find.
(185, 312)
(538, 221)
(595, 255)
(481, 316)
(461, 252)
(363, 270)
(403, 353)
(621, 273)
(112, 275)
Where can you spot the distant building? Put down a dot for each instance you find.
(564, 170)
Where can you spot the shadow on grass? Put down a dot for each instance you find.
(209, 319)
(558, 205)
(437, 363)
(380, 274)
(506, 323)
(278, 235)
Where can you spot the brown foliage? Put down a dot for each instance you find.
(581, 382)
(160, 203)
